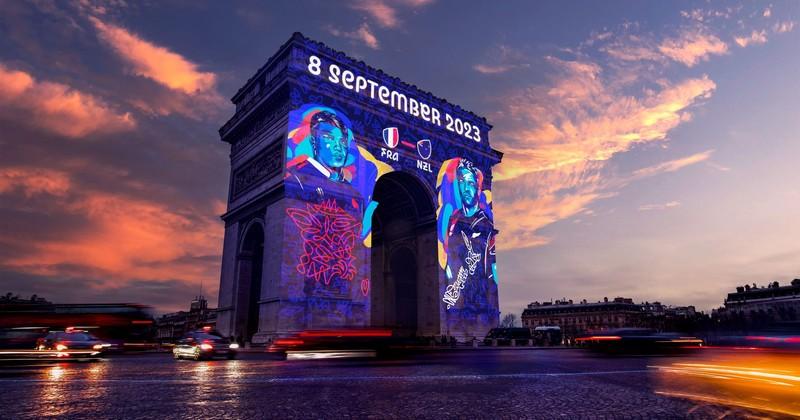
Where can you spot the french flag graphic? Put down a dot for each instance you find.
(391, 136)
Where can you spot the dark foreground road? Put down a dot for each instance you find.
(456, 384)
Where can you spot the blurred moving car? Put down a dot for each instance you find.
(72, 343)
(340, 342)
(779, 336)
(505, 335)
(547, 335)
(21, 337)
(638, 340)
(740, 379)
(202, 344)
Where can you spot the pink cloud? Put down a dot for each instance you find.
(783, 27)
(503, 58)
(672, 165)
(34, 181)
(362, 34)
(384, 14)
(490, 69)
(59, 108)
(660, 206)
(755, 38)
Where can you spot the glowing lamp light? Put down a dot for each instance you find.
(233, 346)
(97, 346)
(206, 346)
(61, 347)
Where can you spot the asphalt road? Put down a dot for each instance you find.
(448, 384)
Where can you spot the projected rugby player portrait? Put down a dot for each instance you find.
(330, 141)
(466, 235)
(324, 159)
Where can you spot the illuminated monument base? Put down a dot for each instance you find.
(355, 200)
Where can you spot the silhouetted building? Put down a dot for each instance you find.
(575, 319)
(12, 299)
(759, 306)
(579, 318)
(173, 326)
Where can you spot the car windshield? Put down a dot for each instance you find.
(204, 336)
(74, 336)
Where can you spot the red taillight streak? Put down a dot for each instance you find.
(288, 342)
(347, 333)
(600, 338)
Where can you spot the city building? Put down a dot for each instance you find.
(172, 326)
(355, 200)
(751, 305)
(578, 318)
(575, 319)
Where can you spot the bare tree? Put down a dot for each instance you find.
(509, 321)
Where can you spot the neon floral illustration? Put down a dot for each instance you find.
(329, 234)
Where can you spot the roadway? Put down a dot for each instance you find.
(494, 383)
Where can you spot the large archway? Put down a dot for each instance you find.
(404, 279)
(251, 265)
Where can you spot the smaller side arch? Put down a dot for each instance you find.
(249, 279)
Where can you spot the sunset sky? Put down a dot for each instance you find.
(652, 149)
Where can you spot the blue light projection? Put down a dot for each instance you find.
(343, 135)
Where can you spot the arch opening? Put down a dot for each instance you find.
(404, 278)
(251, 265)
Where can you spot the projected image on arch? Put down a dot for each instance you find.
(377, 222)
(322, 156)
(466, 235)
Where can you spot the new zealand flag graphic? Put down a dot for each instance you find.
(424, 148)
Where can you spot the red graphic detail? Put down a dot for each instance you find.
(365, 287)
(411, 146)
(329, 234)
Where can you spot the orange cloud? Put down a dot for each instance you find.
(558, 139)
(123, 238)
(580, 118)
(57, 107)
(155, 62)
(693, 46)
(530, 203)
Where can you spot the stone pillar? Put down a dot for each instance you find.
(227, 284)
